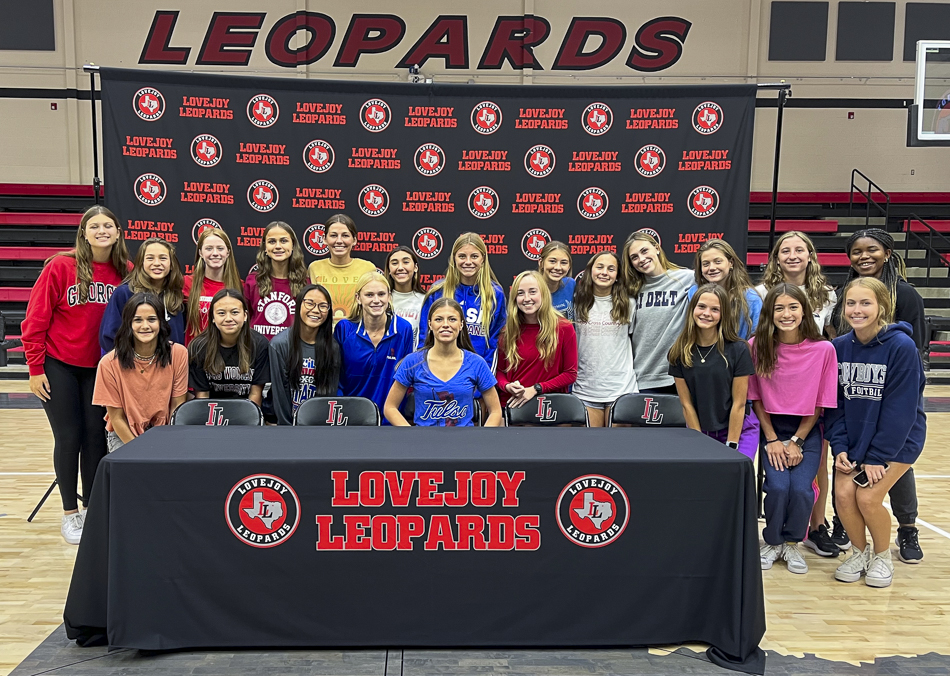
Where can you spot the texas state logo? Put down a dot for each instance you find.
(201, 225)
(148, 103)
(427, 243)
(592, 203)
(429, 159)
(539, 161)
(314, 241)
(597, 119)
(150, 189)
(592, 511)
(375, 115)
(374, 200)
(262, 195)
(534, 242)
(205, 150)
(318, 156)
(486, 117)
(703, 201)
(483, 202)
(262, 111)
(649, 161)
(262, 510)
(707, 118)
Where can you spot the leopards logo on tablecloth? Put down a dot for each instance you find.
(592, 511)
(262, 510)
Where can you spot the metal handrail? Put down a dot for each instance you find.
(927, 243)
(869, 200)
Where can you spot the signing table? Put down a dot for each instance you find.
(200, 537)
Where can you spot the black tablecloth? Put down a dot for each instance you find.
(165, 563)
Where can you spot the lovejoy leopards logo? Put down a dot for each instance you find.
(262, 510)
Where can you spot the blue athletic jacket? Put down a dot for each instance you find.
(467, 297)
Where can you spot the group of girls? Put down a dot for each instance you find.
(632, 322)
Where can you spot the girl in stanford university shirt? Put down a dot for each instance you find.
(658, 289)
(603, 314)
(402, 272)
(61, 344)
(228, 360)
(214, 270)
(145, 377)
(279, 277)
(444, 375)
(538, 349)
(795, 379)
(156, 271)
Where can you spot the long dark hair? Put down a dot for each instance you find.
(326, 356)
(416, 284)
(170, 286)
(765, 346)
(463, 341)
(82, 252)
(296, 268)
(125, 338)
(584, 293)
(893, 271)
(209, 340)
(682, 350)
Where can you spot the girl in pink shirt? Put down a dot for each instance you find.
(795, 378)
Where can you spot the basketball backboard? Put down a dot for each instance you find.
(929, 116)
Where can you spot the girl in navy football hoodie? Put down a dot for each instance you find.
(879, 426)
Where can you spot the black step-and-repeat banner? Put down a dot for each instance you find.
(417, 165)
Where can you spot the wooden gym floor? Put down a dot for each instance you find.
(805, 614)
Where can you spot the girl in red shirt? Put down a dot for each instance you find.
(538, 347)
(61, 343)
(279, 276)
(215, 269)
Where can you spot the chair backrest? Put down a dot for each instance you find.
(334, 411)
(549, 410)
(647, 410)
(213, 412)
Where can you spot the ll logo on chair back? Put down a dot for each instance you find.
(335, 416)
(651, 412)
(216, 415)
(545, 412)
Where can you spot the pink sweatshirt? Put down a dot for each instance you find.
(805, 377)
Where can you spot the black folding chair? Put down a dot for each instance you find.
(548, 410)
(336, 411)
(212, 412)
(647, 410)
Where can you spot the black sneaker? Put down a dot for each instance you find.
(908, 548)
(820, 542)
(840, 536)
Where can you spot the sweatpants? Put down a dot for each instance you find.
(79, 428)
(789, 494)
(903, 495)
(748, 438)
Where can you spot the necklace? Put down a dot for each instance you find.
(702, 357)
(148, 360)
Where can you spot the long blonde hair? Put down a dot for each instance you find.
(584, 293)
(232, 280)
(630, 276)
(296, 268)
(356, 313)
(170, 290)
(82, 252)
(486, 281)
(548, 319)
(885, 303)
(816, 286)
(682, 350)
(736, 283)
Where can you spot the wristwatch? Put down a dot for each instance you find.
(797, 440)
(538, 388)
(733, 444)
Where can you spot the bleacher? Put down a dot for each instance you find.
(36, 221)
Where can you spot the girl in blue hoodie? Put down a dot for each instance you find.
(470, 281)
(879, 426)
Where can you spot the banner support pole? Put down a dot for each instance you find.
(784, 91)
(96, 181)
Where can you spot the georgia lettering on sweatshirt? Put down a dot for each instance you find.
(57, 324)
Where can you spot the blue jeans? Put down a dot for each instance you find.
(790, 495)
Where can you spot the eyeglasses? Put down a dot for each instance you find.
(311, 304)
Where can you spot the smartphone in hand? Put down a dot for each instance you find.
(861, 478)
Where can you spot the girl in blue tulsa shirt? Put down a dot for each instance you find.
(879, 426)
(445, 376)
(373, 340)
(470, 281)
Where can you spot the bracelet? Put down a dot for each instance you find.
(771, 441)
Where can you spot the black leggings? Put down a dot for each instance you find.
(79, 430)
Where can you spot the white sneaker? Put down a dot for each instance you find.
(769, 554)
(880, 570)
(794, 559)
(854, 566)
(72, 528)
